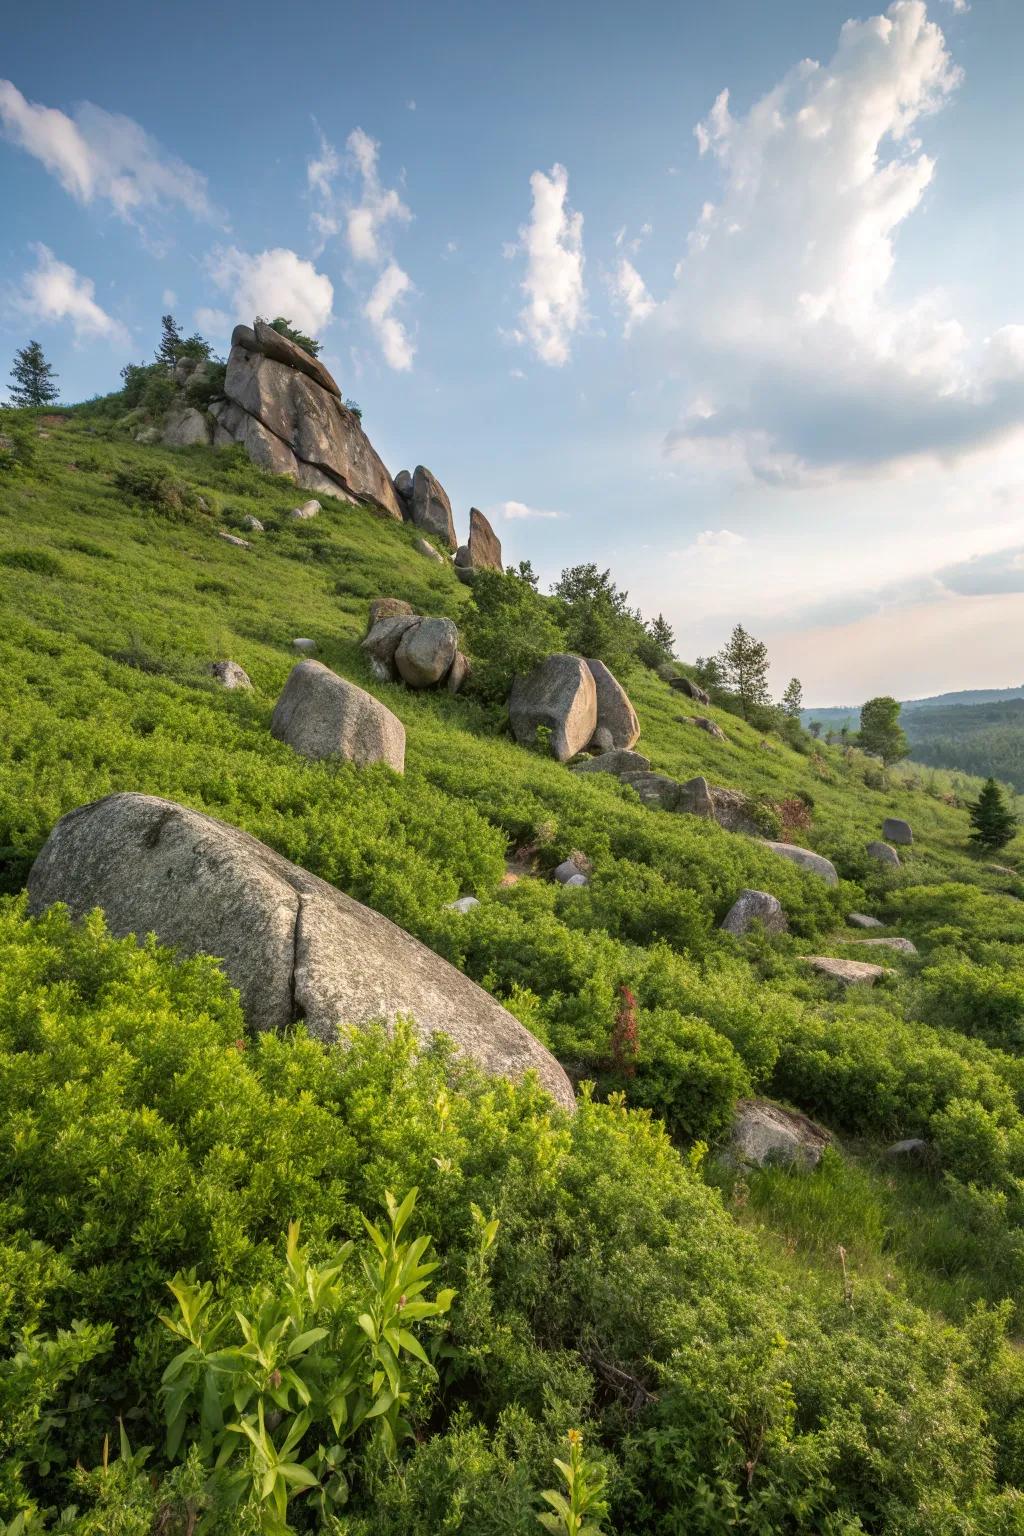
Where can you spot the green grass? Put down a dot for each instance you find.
(114, 606)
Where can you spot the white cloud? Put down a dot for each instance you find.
(98, 154)
(54, 291)
(518, 510)
(169, 297)
(960, 7)
(378, 207)
(395, 342)
(712, 547)
(783, 317)
(273, 283)
(631, 291)
(217, 322)
(411, 106)
(553, 243)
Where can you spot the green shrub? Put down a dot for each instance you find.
(174, 499)
(38, 561)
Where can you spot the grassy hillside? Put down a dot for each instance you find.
(695, 1324)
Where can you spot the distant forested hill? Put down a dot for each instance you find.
(979, 738)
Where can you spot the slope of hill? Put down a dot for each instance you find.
(727, 1367)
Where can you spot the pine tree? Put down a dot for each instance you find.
(993, 822)
(660, 631)
(171, 341)
(880, 731)
(32, 377)
(793, 699)
(744, 666)
(815, 729)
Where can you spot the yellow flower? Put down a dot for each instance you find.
(575, 1437)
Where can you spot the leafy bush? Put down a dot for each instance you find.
(508, 631)
(38, 561)
(173, 498)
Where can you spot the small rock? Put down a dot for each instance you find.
(229, 674)
(703, 724)
(764, 1134)
(690, 688)
(303, 643)
(902, 946)
(307, 510)
(849, 973)
(464, 904)
(614, 762)
(575, 880)
(656, 790)
(320, 714)
(458, 673)
(386, 608)
(896, 831)
(862, 920)
(755, 907)
(814, 863)
(913, 1149)
(424, 547)
(253, 524)
(695, 798)
(884, 854)
(233, 538)
(567, 872)
(425, 652)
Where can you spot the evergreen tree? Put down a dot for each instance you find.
(32, 377)
(993, 822)
(744, 668)
(880, 731)
(661, 633)
(815, 729)
(793, 699)
(171, 341)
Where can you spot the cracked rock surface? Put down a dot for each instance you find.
(293, 945)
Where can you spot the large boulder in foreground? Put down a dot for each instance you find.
(559, 694)
(296, 948)
(752, 907)
(814, 863)
(431, 509)
(615, 713)
(764, 1133)
(320, 714)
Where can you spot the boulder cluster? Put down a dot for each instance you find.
(421, 652)
(578, 702)
(424, 503)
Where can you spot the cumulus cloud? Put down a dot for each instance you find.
(54, 291)
(378, 206)
(217, 322)
(517, 510)
(783, 318)
(631, 292)
(395, 342)
(102, 155)
(272, 283)
(555, 295)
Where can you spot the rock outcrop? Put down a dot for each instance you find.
(814, 863)
(752, 907)
(186, 427)
(896, 831)
(483, 550)
(386, 608)
(617, 763)
(383, 641)
(561, 696)
(320, 714)
(764, 1133)
(615, 713)
(286, 410)
(294, 946)
(656, 790)
(430, 508)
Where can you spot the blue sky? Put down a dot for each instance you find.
(760, 352)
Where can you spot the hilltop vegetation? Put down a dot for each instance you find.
(690, 1319)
